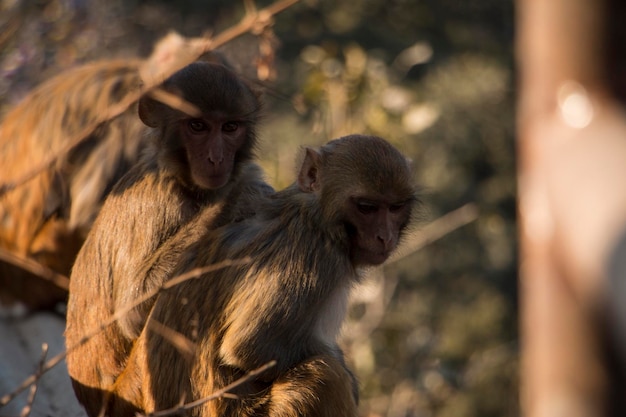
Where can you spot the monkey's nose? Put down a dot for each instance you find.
(216, 160)
(386, 242)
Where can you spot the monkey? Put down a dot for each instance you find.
(196, 168)
(353, 201)
(46, 218)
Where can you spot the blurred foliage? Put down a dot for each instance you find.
(438, 335)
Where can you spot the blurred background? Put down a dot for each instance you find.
(434, 334)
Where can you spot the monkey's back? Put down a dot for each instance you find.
(47, 217)
(290, 256)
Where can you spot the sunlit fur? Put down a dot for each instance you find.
(150, 216)
(276, 306)
(47, 218)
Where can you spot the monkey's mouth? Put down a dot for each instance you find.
(378, 258)
(372, 257)
(217, 177)
(214, 181)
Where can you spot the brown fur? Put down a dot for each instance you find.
(152, 214)
(307, 245)
(46, 218)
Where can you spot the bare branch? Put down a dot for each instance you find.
(217, 394)
(195, 273)
(252, 21)
(180, 342)
(250, 7)
(33, 389)
(435, 230)
(35, 268)
(175, 102)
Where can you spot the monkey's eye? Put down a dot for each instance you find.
(366, 208)
(197, 125)
(230, 126)
(394, 208)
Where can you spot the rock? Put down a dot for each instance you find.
(21, 340)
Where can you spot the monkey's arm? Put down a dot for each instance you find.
(318, 386)
(159, 266)
(142, 211)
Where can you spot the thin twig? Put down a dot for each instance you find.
(35, 268)
(178, 340)
(175, 102)
(249, 6)
(33, 389)
(217, 394)
(435, 230)
(195, 273)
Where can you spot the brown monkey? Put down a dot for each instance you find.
(351, 204)
(46, 218)
(197, 168)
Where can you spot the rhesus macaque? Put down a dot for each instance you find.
(197, 174)
(47, 217)
(349, 207)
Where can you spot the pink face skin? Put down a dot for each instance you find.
(211, 143)
(378, 225)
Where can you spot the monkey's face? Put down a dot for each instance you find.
(211, 143)
(363, 184)
(374, 226)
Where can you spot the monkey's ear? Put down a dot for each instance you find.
(149, 110)
(308, 178)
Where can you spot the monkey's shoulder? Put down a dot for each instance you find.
(251, 182)
(241, 198)
(283, 231)
(146, 183)
(141, 211)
